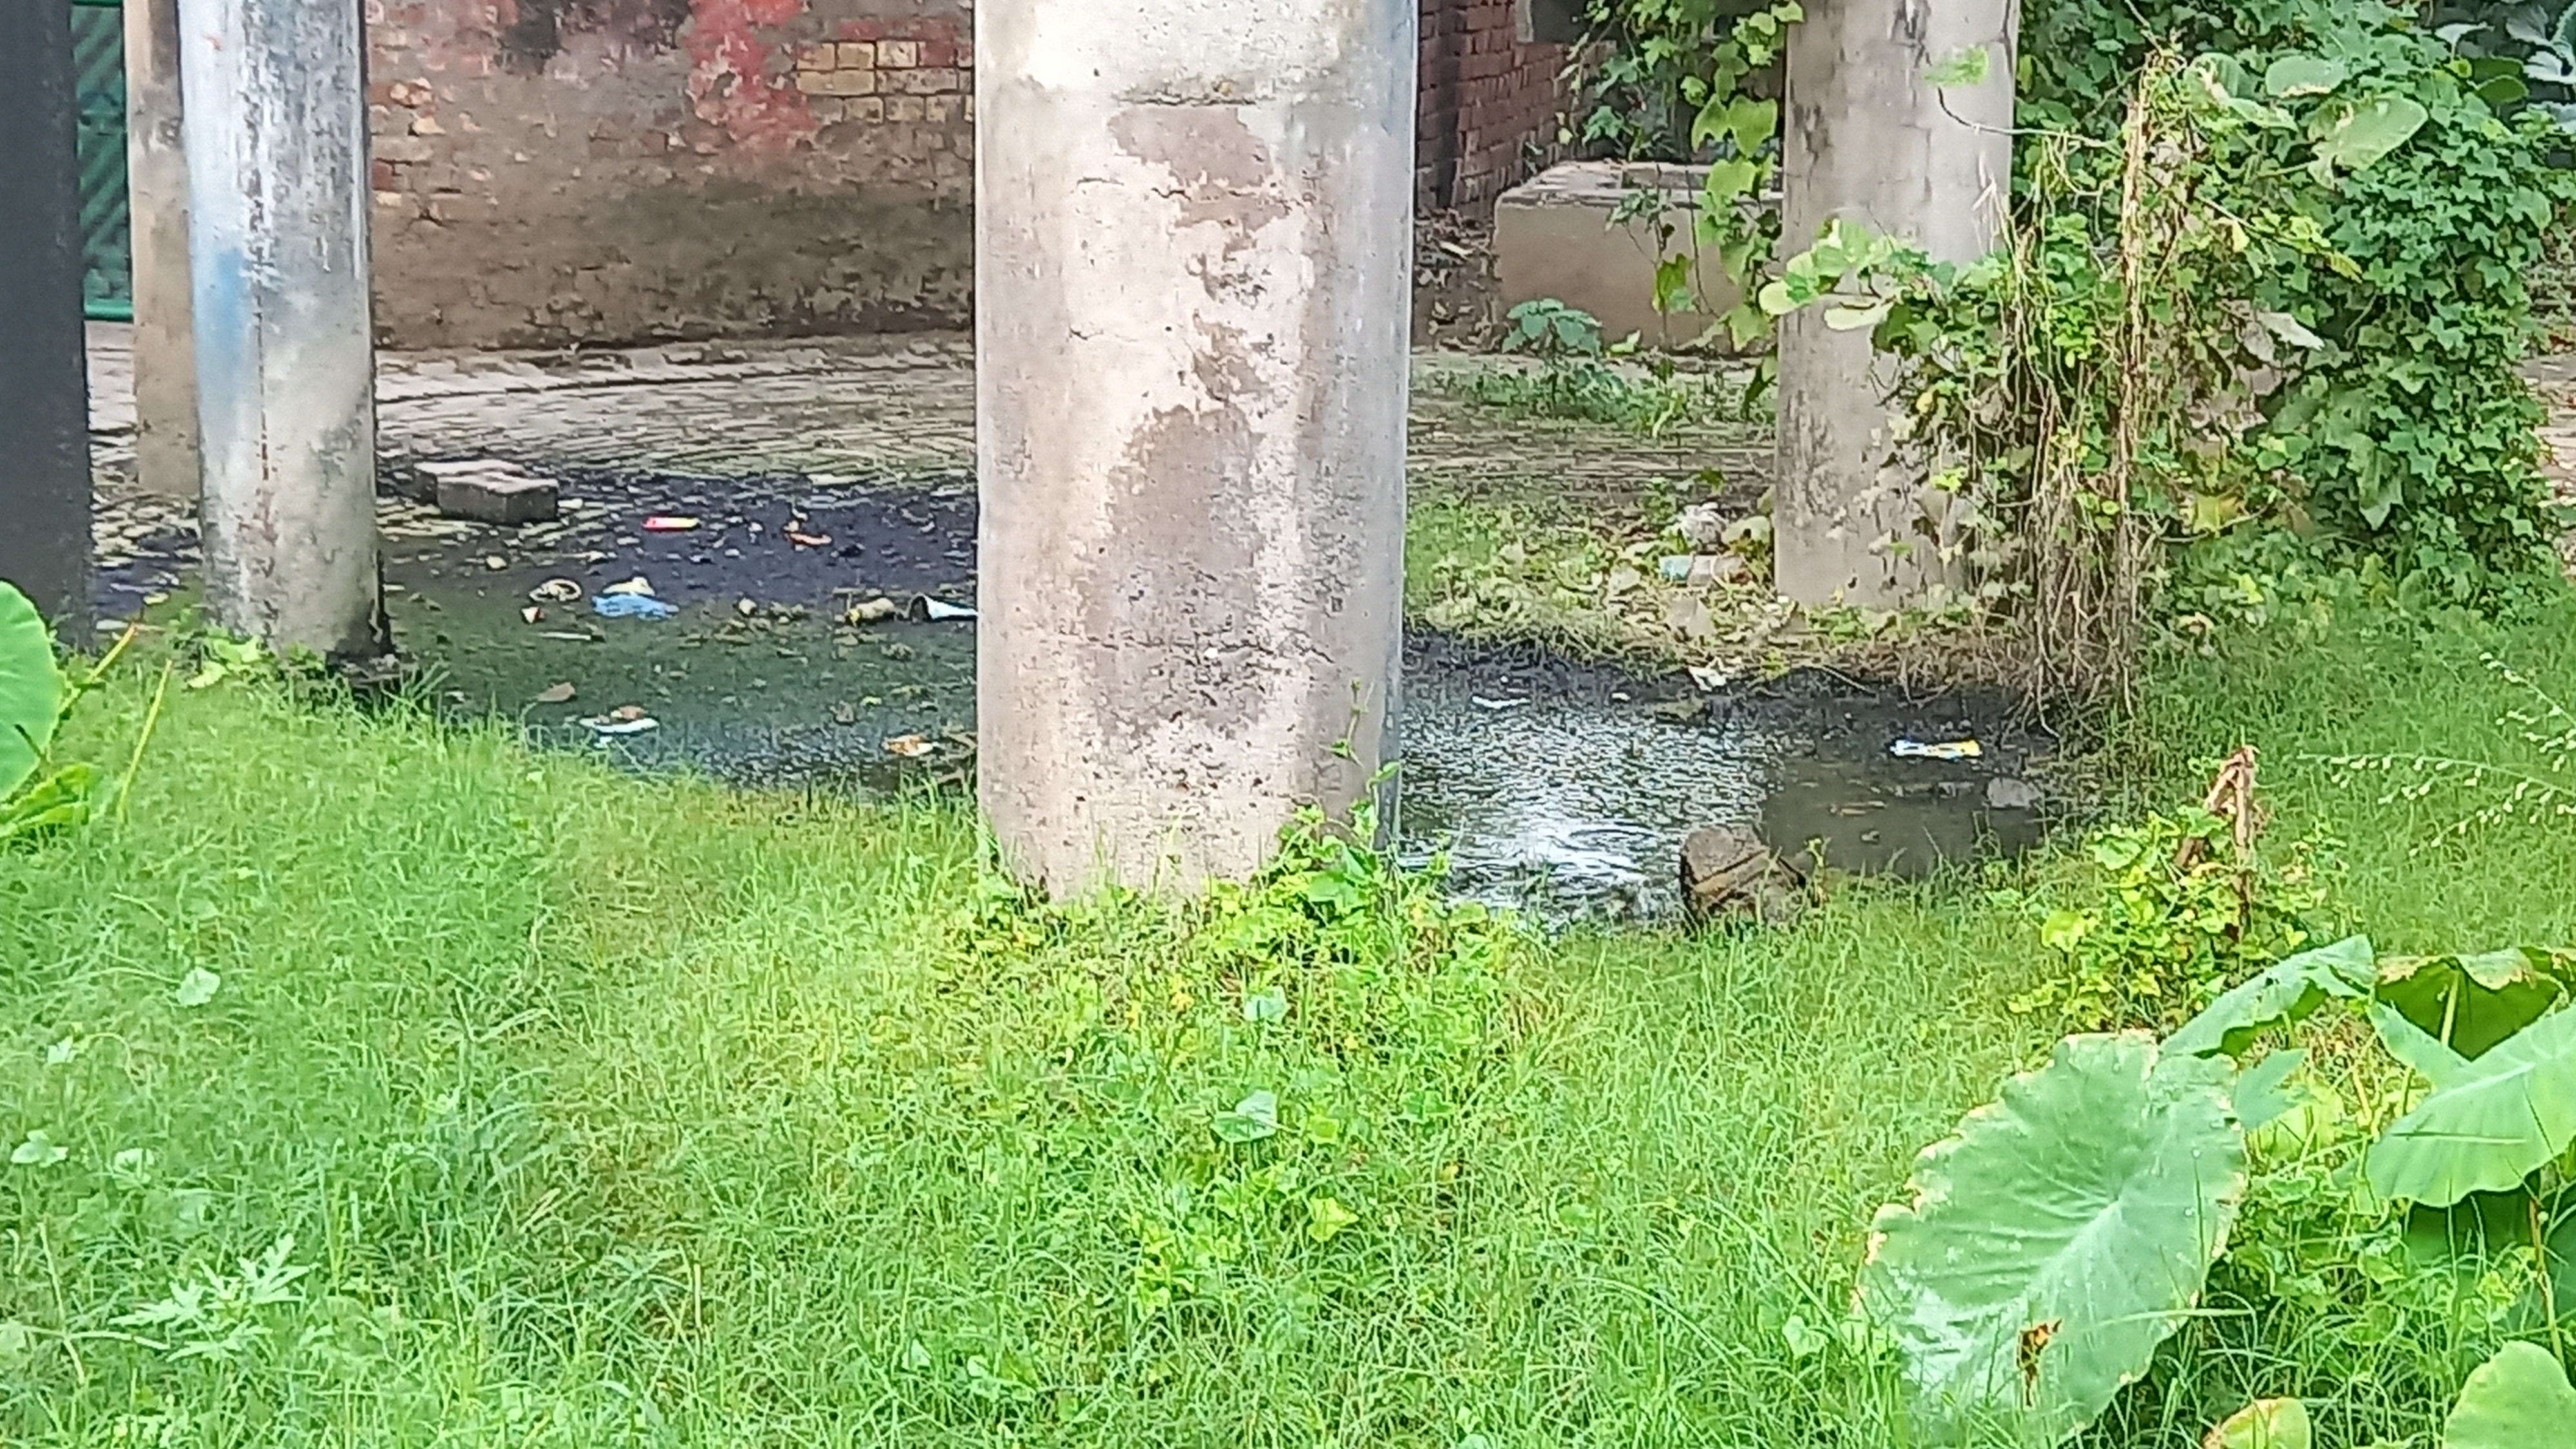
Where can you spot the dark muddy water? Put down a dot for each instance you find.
(1547, 783)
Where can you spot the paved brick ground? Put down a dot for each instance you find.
(902, 410)
(844, 411)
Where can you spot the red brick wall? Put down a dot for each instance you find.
(554, 172)
(569, 171)
(1486, 98)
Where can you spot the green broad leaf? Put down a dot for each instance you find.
(1743, 119)
(2060, 1236)
(38, 1150)
(2263, 1424)
(2285, 992)
(1842, 318)
(1968, 67)
(1251, 1120)
(2474, 1002)
(2382, 487)
(197, 987)
(2490, 1125)
(2302, 75)
(1267, 1004)
(2417, 1048)
(2518, 1399)
(1728, 180)
(2504, 92)
(2356, 136)
(31, 689)
(1326, 1218)
(1746, 323)
(2225, 72)
(2263, 1093)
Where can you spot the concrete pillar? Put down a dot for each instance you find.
(156, 181)
(44, 387)
(1866, 137)
(276, 133)
(1194, 243)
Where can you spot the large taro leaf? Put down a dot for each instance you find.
(31, 689)
(2284, 992)
(2474, 1002)
(2060, 1236)
(2518, 1399)
(2488, 1122)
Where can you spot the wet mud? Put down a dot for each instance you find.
(1544, 782)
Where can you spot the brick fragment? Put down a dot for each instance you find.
(495, 497)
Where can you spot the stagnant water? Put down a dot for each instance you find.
(1546, 783)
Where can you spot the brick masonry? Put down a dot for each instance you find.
(562, 172)
(1490, 101)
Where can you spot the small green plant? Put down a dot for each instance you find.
(224, 1317)
(2068, 1231)
(1306, 1022)
(1579, 378)
(2174, 909)
(37, 795)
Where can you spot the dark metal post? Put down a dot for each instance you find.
(44, 386)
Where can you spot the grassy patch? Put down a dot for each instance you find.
(1642, 398)
(606, 1111)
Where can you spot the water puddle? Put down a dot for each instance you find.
(1558, 786)
(1569, 788)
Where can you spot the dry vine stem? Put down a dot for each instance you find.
(2231, 799)
(2089, 538)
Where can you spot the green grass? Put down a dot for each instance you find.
(606, 1111)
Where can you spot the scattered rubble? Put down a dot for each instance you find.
(1728, 874)
(2007, 793)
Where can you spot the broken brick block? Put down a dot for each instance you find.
(499, 497)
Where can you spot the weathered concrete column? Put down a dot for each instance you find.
(1866, 137)
(1194, 223)
(277, 167)
(156, 183)
(44, 388)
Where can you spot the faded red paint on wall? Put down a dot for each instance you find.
(733, 84)
(559, 171)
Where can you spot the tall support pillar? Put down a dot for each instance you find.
(1194, 243)
(156, 172)
(44, 387)
(1866, 137)
(276, 133)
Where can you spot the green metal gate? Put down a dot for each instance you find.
(107, 241)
